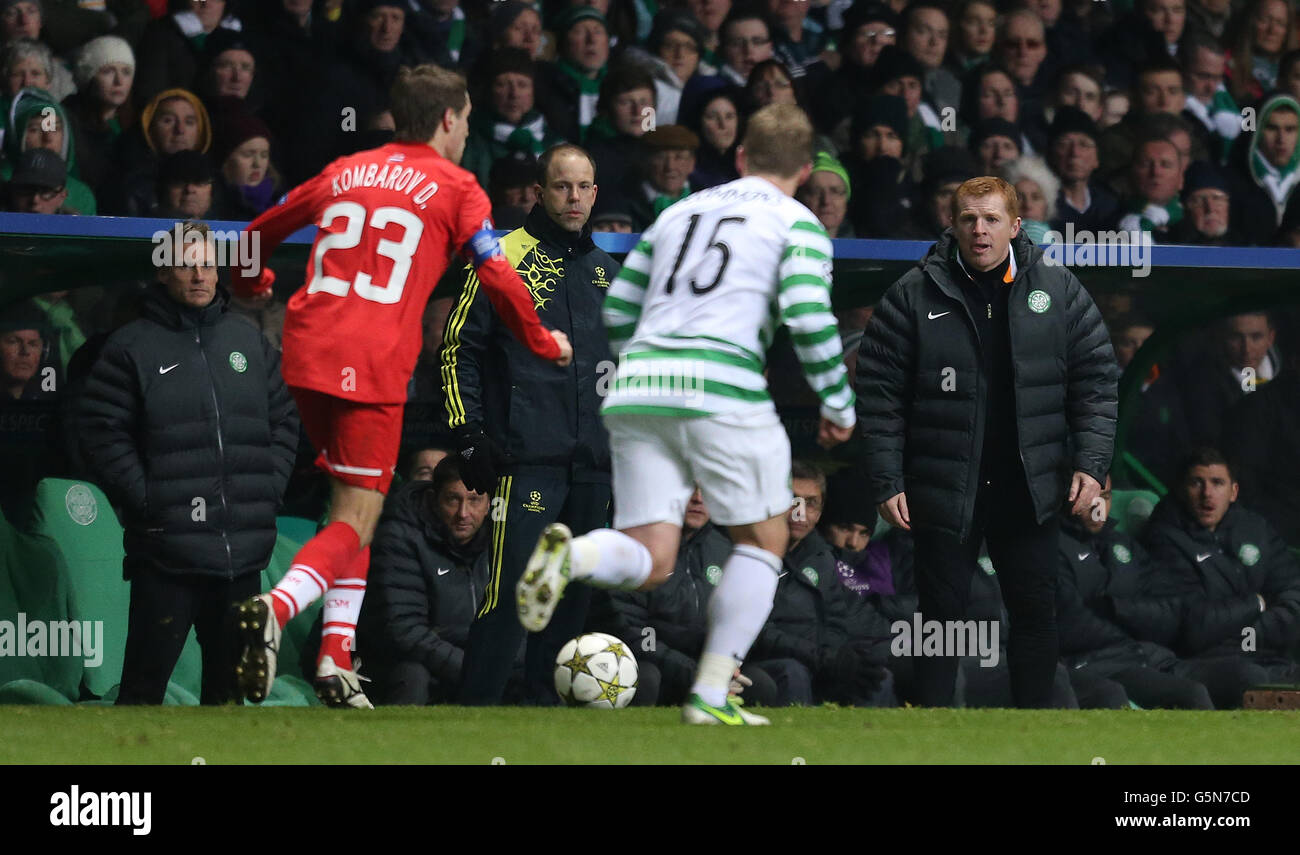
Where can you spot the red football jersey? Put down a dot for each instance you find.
(389, 221)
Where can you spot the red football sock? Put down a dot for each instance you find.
(342, 608)
(314, 568)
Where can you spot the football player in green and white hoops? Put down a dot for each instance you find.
(691, 317)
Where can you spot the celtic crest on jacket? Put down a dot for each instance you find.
(540, 273)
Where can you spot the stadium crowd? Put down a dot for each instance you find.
(1175, 117)
(1178, 118)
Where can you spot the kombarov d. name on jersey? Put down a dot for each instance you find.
(391, 175)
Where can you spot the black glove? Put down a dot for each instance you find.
(856, 676)
(677, 673)
(479, 458)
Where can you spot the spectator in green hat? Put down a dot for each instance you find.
(826, 193)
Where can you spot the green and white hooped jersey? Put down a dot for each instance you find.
(694, 309)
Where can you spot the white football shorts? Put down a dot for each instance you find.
(740, 460)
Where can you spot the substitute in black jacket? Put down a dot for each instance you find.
(188, 427)
(1239, 583)
(428, 574)
(1115, 638)
(984, 378)
(530, 433)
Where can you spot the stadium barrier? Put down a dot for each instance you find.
(1181, 287)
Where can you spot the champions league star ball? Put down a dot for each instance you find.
(596, 670)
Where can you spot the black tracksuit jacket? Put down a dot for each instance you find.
(539, 413)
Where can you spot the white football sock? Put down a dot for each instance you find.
(299, 588)
(737, 611)
(341, 613)
(609, 559)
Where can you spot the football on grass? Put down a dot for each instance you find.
(596, 670)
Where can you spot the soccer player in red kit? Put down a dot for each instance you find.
(389, 220)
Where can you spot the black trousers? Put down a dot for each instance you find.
(163, 608)
(1228, 677)
(409, 683)
(526, 503)
(1146, 687)
(991, 687)
(1024, 554)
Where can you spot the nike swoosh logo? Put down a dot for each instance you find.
(1200, 558)
(162, 370)
(1083, 555)
(932, 315)
(444, 571)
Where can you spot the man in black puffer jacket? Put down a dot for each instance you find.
(187, 425)
(984, 378)
(428, 574)
(1239, 584)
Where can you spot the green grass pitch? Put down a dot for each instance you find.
(179, 735)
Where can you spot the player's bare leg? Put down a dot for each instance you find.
(333, 564)
(737, 611)
(639, 558)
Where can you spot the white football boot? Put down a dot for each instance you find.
(696, 711)
(260, 632)
(337, 687)
(545, 577)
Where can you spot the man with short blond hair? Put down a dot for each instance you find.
(984, 378)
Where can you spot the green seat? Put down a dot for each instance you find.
(78, 517)
(1131, 509)
(290, 690)
(175, 696)
(35, 607)
(31, 693)
(188, 673)
(298, 529)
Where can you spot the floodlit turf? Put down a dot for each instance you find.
(168, 735)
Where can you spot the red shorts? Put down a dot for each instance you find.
(357, 442)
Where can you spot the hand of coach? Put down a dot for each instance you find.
(1084, 491)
